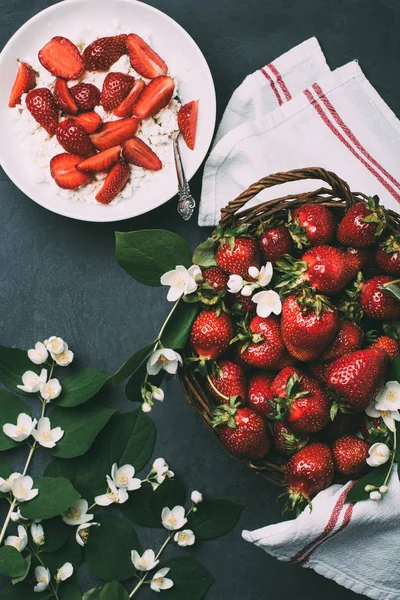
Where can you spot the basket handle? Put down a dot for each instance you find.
(339, 187)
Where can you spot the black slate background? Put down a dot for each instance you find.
(59, 276)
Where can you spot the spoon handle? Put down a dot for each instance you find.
(187, 203)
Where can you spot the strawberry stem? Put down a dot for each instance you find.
(210, 381)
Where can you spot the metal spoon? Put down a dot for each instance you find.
(187, 203)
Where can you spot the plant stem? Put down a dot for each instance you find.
(393, 456)
(215, 389)
(51, 585)
(166, 322)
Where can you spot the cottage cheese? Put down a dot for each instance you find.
(156, 131)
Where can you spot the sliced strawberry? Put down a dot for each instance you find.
(187, 122)
(154, 97)
(63, 98)
(104, 52)
(101, 161)
(86, 96)
(90, 121)
(143, 58)
(62, 58)
(41, 105)
(72, 137)
(115, 182)
(138, 153)
(25, 80)
(114, 133)
(125, 109)
(64, 172)
(116, 87)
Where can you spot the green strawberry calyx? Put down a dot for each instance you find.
(391, 244)
(225, 413)
(310, 301)
(378, 215)
(297, 232)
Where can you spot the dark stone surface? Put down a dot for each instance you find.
(59, 276)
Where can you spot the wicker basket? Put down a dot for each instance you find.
(337, 197)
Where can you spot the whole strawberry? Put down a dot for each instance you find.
(85, 95)
(104, 52)
(348, 339)
(350, 454)
(275, 241)
(235, 255)
(307, 473)
(362, 224)
(357, 377)
(260, 395)
(40, 103)
(388, 345)
(242, 431)
(312, 225)
(364, 259)
(286, 440)
(262, 344)
(228, 382)
(73, 138)
(387, 255)
(376, 302)
(216, 278)
(211, 334)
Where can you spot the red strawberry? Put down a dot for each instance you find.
(348, 339)
(362, 224)
(363, 257)
(376, 303)
(388, 345)
(275, 242)
(86, 96)
(373, 429)
(143, 58)
(155, 96)
(312, 225)
(115, 182)
(286, 440)
(236, 255)
(216, 278)
(140, 154)
(211, 334)
(64, 172)
(230, 382)
(25, 80)
(62, 58)
(388, 255)
(264, 347)
(343, 424)
(63, 98)
(242, 304)
(309, 324)
(260, 393)
(350, 455)
(114, 133)
(358, 376)
(101, 161)
(72, 137)
(41, 105)
(116, 87)
(187, 122)
(242, 431)
(125, 109)
(317, 370)
(90, 121)
(104, 52)
(307, 473)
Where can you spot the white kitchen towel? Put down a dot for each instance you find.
(339, 123)
(356, 545)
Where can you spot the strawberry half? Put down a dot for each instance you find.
(41, 105)
(62, 58)
(72, 137)
(101, 161)
(114, 133)
(63, 97)
(154, 97)
(25, 80)
(104, 52)
(143, 58)
(138, 153)
(125, 109)
(90, 121)
(116, 87)
(187, 122)
(64, 172)
(86, 96)
(115, 182)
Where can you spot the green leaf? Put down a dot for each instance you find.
(81, 426)
(93, 594)
(13, 364)
(113, 591)
(375, 477)
(177, 331)
(69, 552)
(204, 255)
(23, 591)
(392, 289)
(146, 255)
(108, 550)
(12, 562)
(10, 407)
(191, 579)
(394, 373)
(133, 363)
(70, 590)
(144, 507)
(56, 533)
(55, 496)
(20, 578)
(214, 518)
(80, 387)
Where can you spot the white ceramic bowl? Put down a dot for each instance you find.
(172, 42)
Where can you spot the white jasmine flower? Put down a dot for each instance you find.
(64, 358)
(389, 397)
(43, 579)
(55, 345)
(248, 290)
(146, 562)
(77, 514)
(162, 469)
(38, 354)
(182, 281)
(160, 582)
(22, 430)
(22, 489)
(20, 541)
(267, 302)
(45, 436)
(146, 407)
(379, 454)
(185, 538)
(265, 275)
(124, 477)
(157, 394)
(253, 272)
(16, 516)
(164, 358)
(389, 416)
(375, 495)
(115, 495)
(173, 519)
(32, 382)
(6, 484)
(37, 533)
(65, 572)
(82, 533)
(50, 390)
(196, 497)
(235, 284)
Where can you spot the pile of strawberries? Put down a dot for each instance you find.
(91, 146)
(297, 384)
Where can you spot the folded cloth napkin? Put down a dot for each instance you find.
(357, 545)
(339, 122)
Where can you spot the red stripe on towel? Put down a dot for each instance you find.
(280, 81)
(273, 86)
